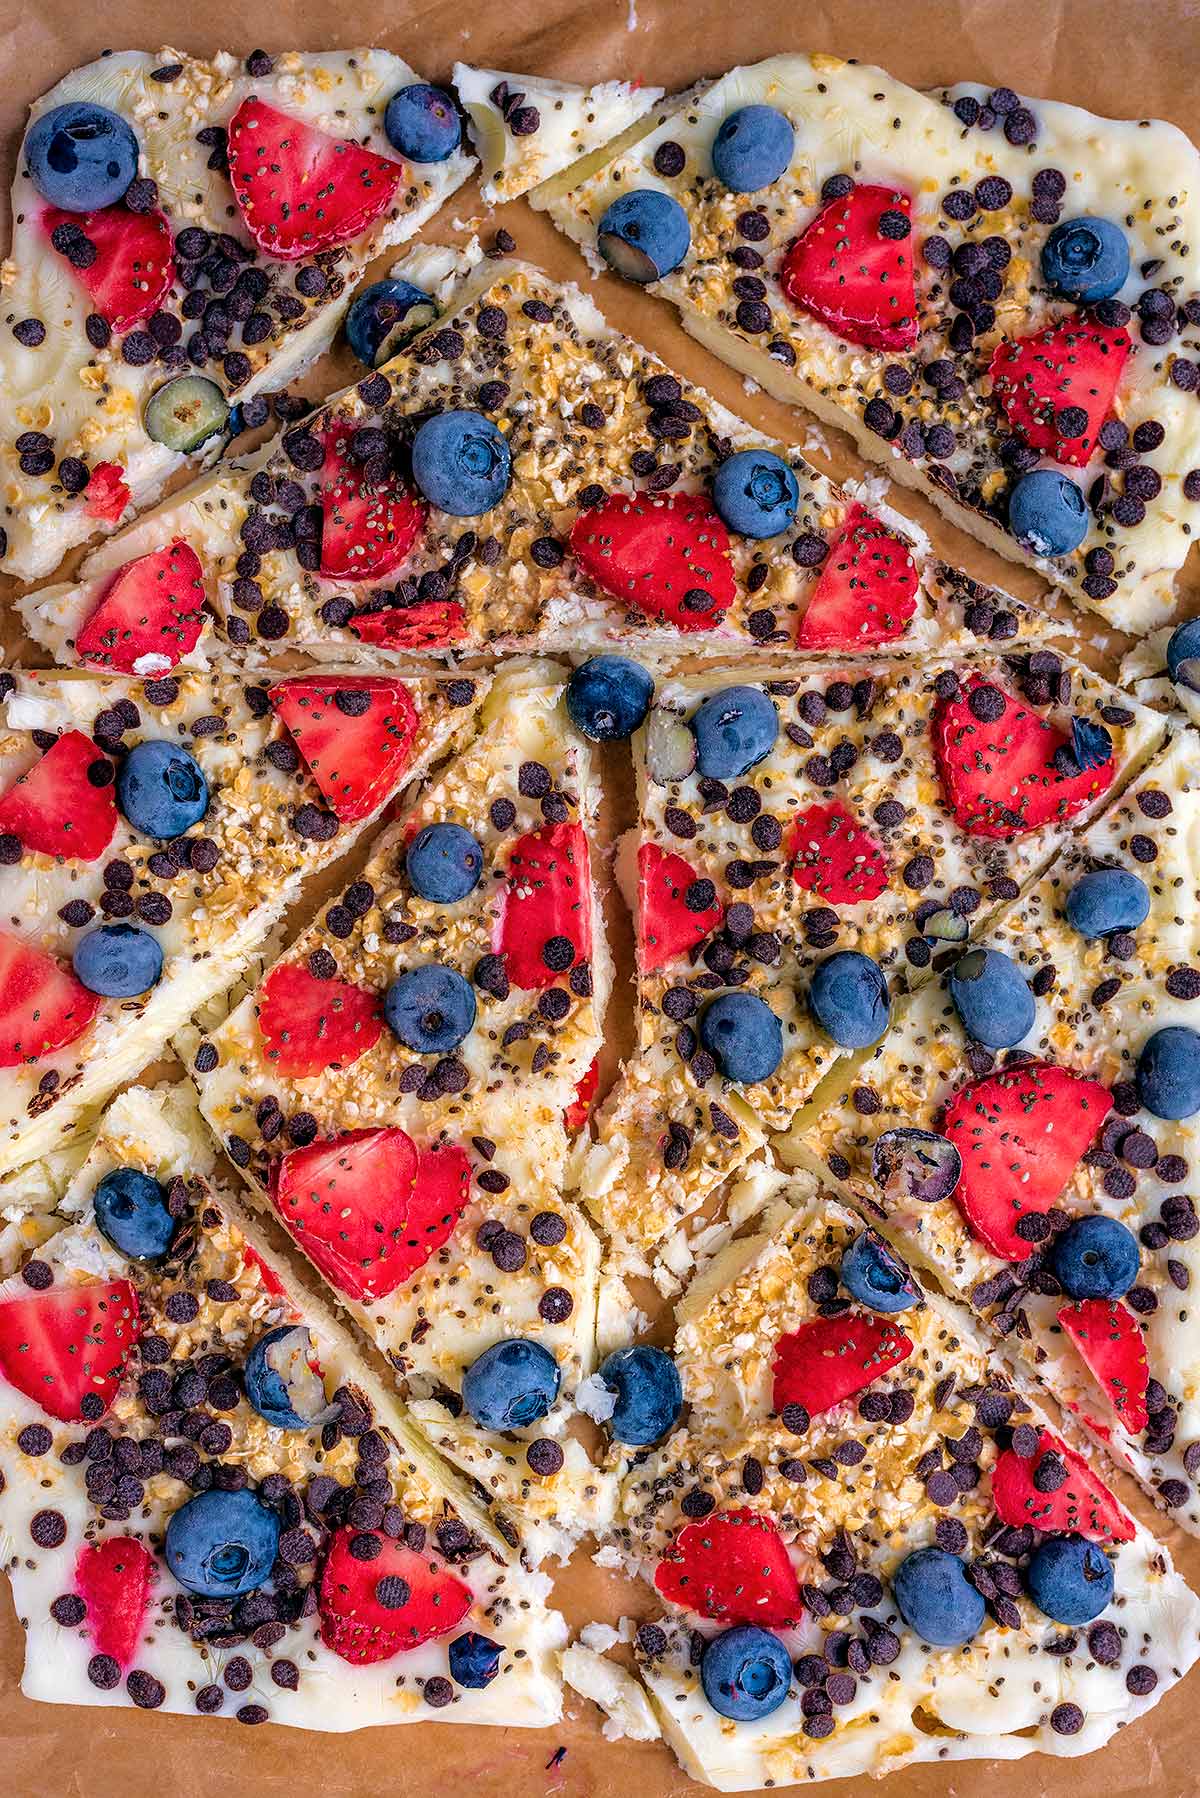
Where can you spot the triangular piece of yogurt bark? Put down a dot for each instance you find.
(171, 258)
(528, 128)
(210, 1502)
(1058, 1195)
(151, 834)
(871, 1546)
(806, 842)
(999, 297)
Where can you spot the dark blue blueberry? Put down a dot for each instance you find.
(430, 1009)
(649, 1394)
(876, 1277)
(1085, 259)
(423, 123)
(608, 698)
(80, 156)
(1091, 744)
(222, 1544)
(936, 1599)
(752, 148)
(1168, 1073)
(1183, 654)
(444, 863)
(1096, 1258)
(384, 316)
(915, 1164)
(644, 235)
(1047, 513)
(1069, 1580)
(511, 1385)
(744, 1037)
(283, 1381)
(849, 999)
(1106, 900)
(735, 729)
(992, 998)
(746, 1673)
(161, 789)
(756, 493)
(461, 463)
(118, 960)
(474, 1660)
(131, 1213)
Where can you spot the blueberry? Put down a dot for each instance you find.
(915, 1164)
(752, 148)
(746, 1673)
(992, 998)
(131, 1213)
(81, 157)
(608, 698)
(744, 1037)
(849, 999)
(1047, 513)
(1091, 744)
(161, 789)
(222, 1544)
(644, 235)
(384, 316)
(461, 463)
(756, 493)
(876, 1277)
(1069, 1579)
(936, 1599)
(1106, 900)
(511, 1385)
(283, 1381)
(444, 863)
(1168, 1073)
(474, 1660)
(118, 960)
(423, 123)
(430, 1009)
(1085, 259)
(1096, 1258)
(1183, 654)
(649, 1394)
(735, 729)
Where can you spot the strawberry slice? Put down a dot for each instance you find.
(309, 1025)
(355, 732)
(113, 1577)
(576, 1114)
(668, 926)
(1109, 1338)
(300, 191)
(666, 556)
(829, 1359)
(108, 493)
(430, 624)
(1021, 1133)
(835, 857)
(42, 1005)
(1072, 366)
(1009, 775)
(153, 606)
(368, 527)
(374, 1606)
(1082, 1505)
(68, 1344)
(268, 1278)
(734, 1566)
(867, 589)
(852, 268)
(547, 894)
(55, 809)
(133, 268)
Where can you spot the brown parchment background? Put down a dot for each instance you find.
(1117, 57)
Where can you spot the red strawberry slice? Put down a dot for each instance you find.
(666, 556)
(999, 777)
(355, 732)
(113, 1577)
(70, 1343)
(133, 267)
(108, 493)
(1082, 1505)
(42, 1005)
(867, 589)
(734, 1566)
(299, 190)
(831, 1358)
(1074, 364)
(547, 894)
(1109, 1338)
(269, 1278)
(852, 268)
(153, 606)
(579, 1110)
(835, 856)
(309, 1025)
(1021, 1133)
(668, 926)
(368, 527)
(377, 1606)
(55, 809)
(430, 624)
